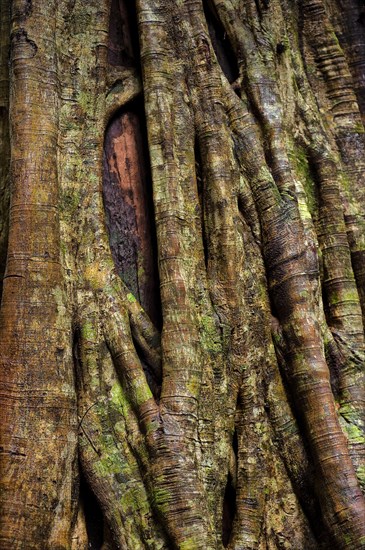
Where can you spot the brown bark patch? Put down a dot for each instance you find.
(129, 211)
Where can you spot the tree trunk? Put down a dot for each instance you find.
(182, 247)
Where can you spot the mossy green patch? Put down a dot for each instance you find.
(85, 100)
(188, 544)
(346, 295)
(131, 298)
(299, 158)
(355, 435)
(70, 201)
(209, 337)
(120, 403)
(117, 395)
(88, 331)
(140, 391)
(162, 499)
(193, 385)
(359, 128)
(111, 461)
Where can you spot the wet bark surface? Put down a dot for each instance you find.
(127, 193)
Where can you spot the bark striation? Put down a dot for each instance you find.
(38, 446)
(202, 266)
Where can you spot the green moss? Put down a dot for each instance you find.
(108, 465)
(84, 100)
(88, 331)
(345, 181)
(299, 159)
(259, 428)
(70, 201)
(134, 499)
(121, 404)
(347, 413)
(354, 434)
(209, 338)
(141, 391)
(359, 128)
(346, 295)
(116, 395)
(131, 298)
(162, 498)
(188, 544)
(111, 461)
(194, 385)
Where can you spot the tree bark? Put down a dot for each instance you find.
(182, 247)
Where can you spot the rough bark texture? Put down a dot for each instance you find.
(183, 265)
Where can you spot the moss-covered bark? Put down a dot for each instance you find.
(227, 408)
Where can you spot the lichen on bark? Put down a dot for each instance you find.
(183, 295)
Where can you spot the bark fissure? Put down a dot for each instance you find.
(128, 204)
(4, 136)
